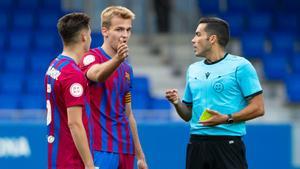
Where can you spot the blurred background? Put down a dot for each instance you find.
(264, 31)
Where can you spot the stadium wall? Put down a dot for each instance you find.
(268, 146)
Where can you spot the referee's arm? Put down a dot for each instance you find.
(254, 109)
(183, 110)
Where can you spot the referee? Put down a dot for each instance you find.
(222, 92)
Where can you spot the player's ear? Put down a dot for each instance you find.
(84, 36)
(104, 31)
(213, 39)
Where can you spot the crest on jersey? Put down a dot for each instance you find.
(76, 90)
(88, 60)
(218, 86)
(127, 76)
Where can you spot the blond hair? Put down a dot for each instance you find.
(120, 11)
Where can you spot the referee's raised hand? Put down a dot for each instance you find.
(172, 95)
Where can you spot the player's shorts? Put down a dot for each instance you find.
(108, 160)
(216, 152)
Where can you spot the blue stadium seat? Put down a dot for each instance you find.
(160, 104)
(34, 83)
(243, 6)
(40, 60)
(236, 22)
(140, 100)
(9, 101)
(141, 84)
(253, 45)
(15, 62)
(97, 39)
(31, 101)
(51, 4)
(292, 87)
(209, 7)
(11, 83)
(270, 6)
(290, 6)
(20, 40)
(140, 93)
(275, 66)
(259, 22)
(45, 40)
(295, 63)
(6, 4)
(47, 19)
(23, 20)
(3, 42)
(282, 42)
(287, 22)
(4, 21)
(28, 4)
(15, 65)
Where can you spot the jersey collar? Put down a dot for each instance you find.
(104, 53)
(210, 63)
(65, 57)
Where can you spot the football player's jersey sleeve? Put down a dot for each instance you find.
(88, 60)
(248, 79)
(74, 88)
(128, 93)
(130, 79)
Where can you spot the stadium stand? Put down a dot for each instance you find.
(29, 45)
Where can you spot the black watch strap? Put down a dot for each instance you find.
(229, 119)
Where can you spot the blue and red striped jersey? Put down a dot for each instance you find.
(111, 127)
(65, 87)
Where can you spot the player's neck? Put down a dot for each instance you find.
(73, 52)
(215, 55)
(109, 50)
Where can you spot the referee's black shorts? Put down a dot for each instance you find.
(216, 152)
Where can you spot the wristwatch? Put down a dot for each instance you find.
(230, 119)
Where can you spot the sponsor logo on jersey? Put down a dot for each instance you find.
(54, 73)
(127, 76)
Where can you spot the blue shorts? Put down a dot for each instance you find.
(108, 160)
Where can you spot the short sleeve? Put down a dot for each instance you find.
(187, 96)
(129, 76)
(88, 60)
(248, 79)
(130, 79)
(74, 88)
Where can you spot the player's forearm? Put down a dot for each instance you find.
(137, 145)
(248, 113)
(183, 111)
(100, 72)
(81, 142)
(254, 109)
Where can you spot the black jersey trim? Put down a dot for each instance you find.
(254, 94)
(187, 103)
(210, 63)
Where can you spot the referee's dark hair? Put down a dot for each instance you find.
(218, 27)
(70, 25)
